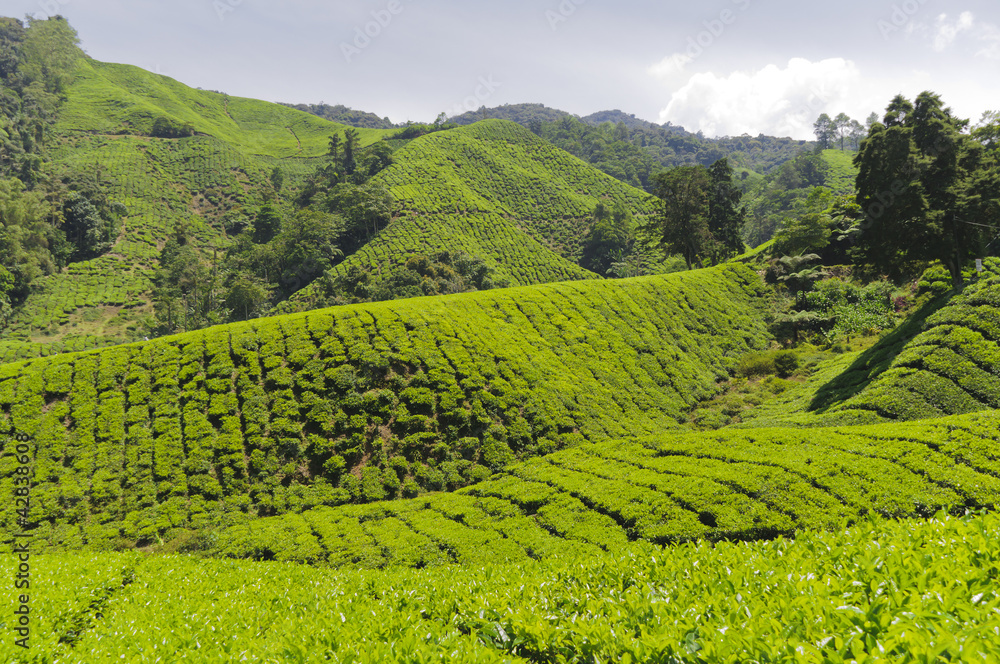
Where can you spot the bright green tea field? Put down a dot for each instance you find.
(876, 591)
(365, 402)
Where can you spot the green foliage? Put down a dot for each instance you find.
(779, 362)
(789, 192)
(928, 189)
(935, 281)
(949, 367)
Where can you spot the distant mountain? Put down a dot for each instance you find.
(522, 114)
(629, 120)
(344, 115)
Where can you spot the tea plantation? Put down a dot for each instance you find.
(877, 591)
(494, 190)
(362, 403)
(664, 489)
(104, 128)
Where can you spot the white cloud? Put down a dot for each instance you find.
(775, 101)
(946, 32)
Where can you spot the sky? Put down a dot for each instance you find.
(724, 67)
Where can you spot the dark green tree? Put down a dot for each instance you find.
(85, 228)
(277, 178)
(351, 146)
(925, 190)
(725, 216)
(267, 223)
(825, 131)
(334, 149)
(608, 238)
(681, 227)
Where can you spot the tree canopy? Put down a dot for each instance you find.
(927, 188)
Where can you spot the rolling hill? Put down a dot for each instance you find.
(943, 360)
(104, 127)
(493, 190)
(663, 489)
(360, 403)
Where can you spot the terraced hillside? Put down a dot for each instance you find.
(494, 189)
(104, 128)
(365, 402)
(663, 489)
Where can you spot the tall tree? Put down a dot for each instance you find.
(825, 131)
(725, 217)
(681, 227)
(842, 127)
(350, 150)
(334, 149)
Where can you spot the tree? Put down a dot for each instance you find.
(607, 239)
(366, 209)
(350, 149)
(49, 53)
(85, 228)
(681, 227)
(277, 178)
(334, 148)
(926, 188)
(378, 158)
(856, 134)
(842, 128)
(825, 131)
(267, 224)
(870, 122)
(725, 218)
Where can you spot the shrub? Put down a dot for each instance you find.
(756, 364)
(785, 363)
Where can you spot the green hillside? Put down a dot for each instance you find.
(365, 402)
(732, 485)
(492, 191)
(121, 99)
(104, 129)
(495, 190)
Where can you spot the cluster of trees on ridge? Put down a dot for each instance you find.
(50, 214)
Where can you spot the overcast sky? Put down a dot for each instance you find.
(725, 67)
